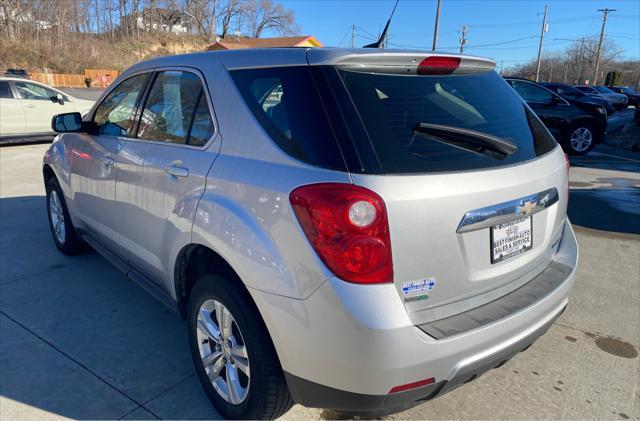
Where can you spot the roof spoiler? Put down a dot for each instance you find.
(407, 63)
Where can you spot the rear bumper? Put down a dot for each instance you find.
(346, 346)
(308, 393)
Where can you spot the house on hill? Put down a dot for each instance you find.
(241, 42)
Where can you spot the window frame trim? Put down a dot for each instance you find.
(90, 116)
(139, 109)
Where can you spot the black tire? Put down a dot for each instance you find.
(71, 244)
(573, 147)
(268, 396)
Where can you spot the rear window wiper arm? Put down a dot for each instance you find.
(467, 139)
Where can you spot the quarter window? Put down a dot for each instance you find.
(114, 115)
(176, 110)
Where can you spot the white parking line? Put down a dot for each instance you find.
(615, 156)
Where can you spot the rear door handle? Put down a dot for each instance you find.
(29, 106)
(175, 171)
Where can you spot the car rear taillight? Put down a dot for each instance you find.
(438, 65)
(566, 158)
(348, 228)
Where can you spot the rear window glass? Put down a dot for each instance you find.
(286, 103)
(391, 107)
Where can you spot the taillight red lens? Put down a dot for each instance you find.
(566, 158)
(438, 65)
(351, 237)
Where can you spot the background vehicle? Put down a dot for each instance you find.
(619, 101)
(26, 109)
(632, 95)
(575, 129)
(588, 103)
(21, 73)
(374, 230)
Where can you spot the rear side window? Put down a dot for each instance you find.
(176, 110)
(392, 107)
(114, 115)
(5, 90)
(530, 92)
(287, 104)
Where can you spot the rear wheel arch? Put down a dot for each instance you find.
(193, 261)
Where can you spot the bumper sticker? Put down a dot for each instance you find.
(416, 287)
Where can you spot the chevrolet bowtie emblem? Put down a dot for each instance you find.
(526, 208)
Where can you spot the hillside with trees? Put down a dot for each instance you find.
(67, 36)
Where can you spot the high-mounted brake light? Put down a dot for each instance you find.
(348, 228)
(438, 65)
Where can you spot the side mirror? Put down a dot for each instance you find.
(67, 123)
(57, 98)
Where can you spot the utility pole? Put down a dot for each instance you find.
(435, 28)
(542, 31)
(604, 22)
(353, 35)
(463, 37)
(566, 70)
(580, 61)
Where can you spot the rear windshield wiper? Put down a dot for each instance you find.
(470, 140)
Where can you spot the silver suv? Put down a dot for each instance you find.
(360, 230)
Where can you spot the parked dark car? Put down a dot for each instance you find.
(17, 73)
(619, 101)
(634, 97)
(575, 128)
(591, 104)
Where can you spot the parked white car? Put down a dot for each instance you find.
(26, 109)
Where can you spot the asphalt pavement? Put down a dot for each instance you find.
(78, 340)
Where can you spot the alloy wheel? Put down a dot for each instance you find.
(223, 352)
(581, 139)
(57, 217)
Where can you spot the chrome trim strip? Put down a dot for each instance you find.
(507, 211)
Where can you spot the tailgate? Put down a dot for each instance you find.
(443, 264)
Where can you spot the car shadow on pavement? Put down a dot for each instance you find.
(601, 198)
(80, 340)
(606, 209)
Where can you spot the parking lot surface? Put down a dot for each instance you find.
(78, 340)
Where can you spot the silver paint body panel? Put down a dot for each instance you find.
(235, 201)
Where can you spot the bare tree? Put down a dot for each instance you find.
(263, 15)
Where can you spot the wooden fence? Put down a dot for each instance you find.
(59, 80)
(99, 78)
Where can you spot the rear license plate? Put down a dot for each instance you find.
(511, 239)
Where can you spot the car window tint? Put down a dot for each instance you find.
(170, 107)
(530, 92)
(114, 115)
(202, 125)
(391, 107)
(32, 91)
(5, 90)
(286, 103)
